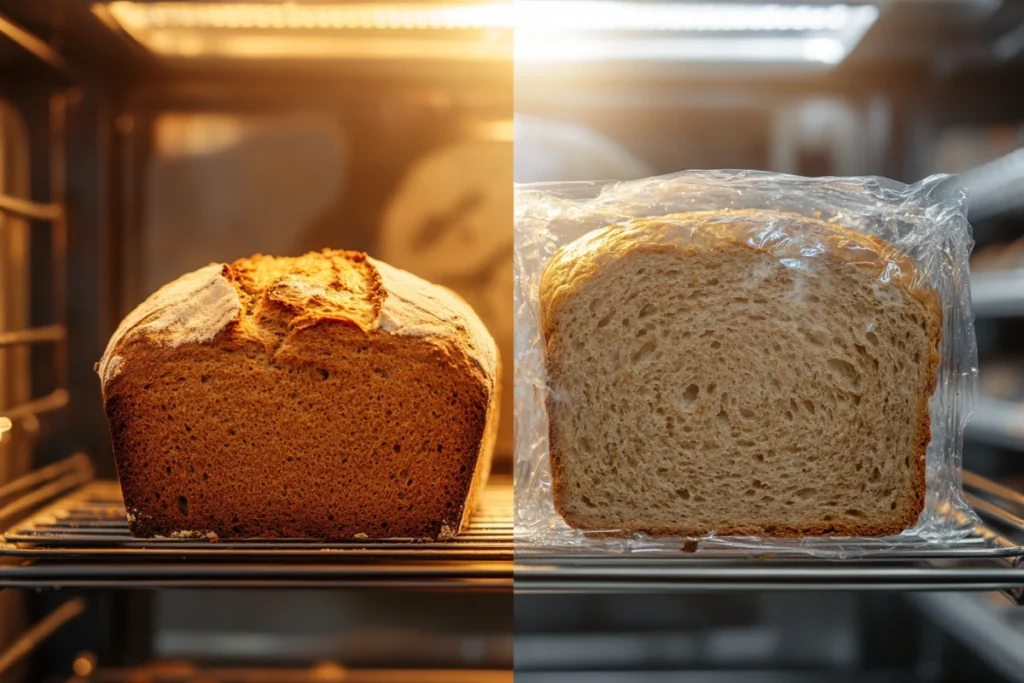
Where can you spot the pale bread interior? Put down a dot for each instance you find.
(722, 391)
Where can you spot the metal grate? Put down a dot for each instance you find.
(64, 527)
(989, 560)
(91, 522)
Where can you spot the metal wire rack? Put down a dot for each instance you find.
(50, 216)
(989, 560)
(62, 527)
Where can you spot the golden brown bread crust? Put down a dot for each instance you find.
(340, 399)
(696, 231)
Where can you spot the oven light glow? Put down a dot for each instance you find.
(574, 15)
(619, 16)
(289, 16)
(544, 30)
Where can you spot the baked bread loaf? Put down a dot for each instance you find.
(747, 373)
(328, 396)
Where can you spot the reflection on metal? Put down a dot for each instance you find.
(32, 45)
(25, 209)
(31, 638)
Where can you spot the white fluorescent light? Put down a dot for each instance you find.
(616, 15)
(574, 31)
(717, 50)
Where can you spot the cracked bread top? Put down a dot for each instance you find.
(265, 299)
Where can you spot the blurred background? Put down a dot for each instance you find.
(619, 90)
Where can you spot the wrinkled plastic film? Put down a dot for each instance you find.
(924, 222)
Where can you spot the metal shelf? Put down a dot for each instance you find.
(64, 528)
(997, 422)
(989, 560)
(998, 294)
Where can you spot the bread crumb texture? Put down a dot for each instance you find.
(738, 373)
(327, 396)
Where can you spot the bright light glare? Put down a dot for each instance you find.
(574, 15)
(610, 30)
(544, 30)
(719, 50)
(616, 15)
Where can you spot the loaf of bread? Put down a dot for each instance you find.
(328, 396)
(746, 373)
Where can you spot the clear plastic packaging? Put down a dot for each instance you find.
(925, 222)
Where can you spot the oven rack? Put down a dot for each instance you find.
(989, 560)
(47, 217)
(61, 527)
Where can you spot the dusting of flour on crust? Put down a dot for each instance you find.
(416, 308)
(192, 309)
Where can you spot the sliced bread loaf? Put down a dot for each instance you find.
(742, 373)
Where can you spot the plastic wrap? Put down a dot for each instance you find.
(925, 222)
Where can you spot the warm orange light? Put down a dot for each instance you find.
(471, 31)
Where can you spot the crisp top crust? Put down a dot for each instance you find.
(798, 242)
(265, 298)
